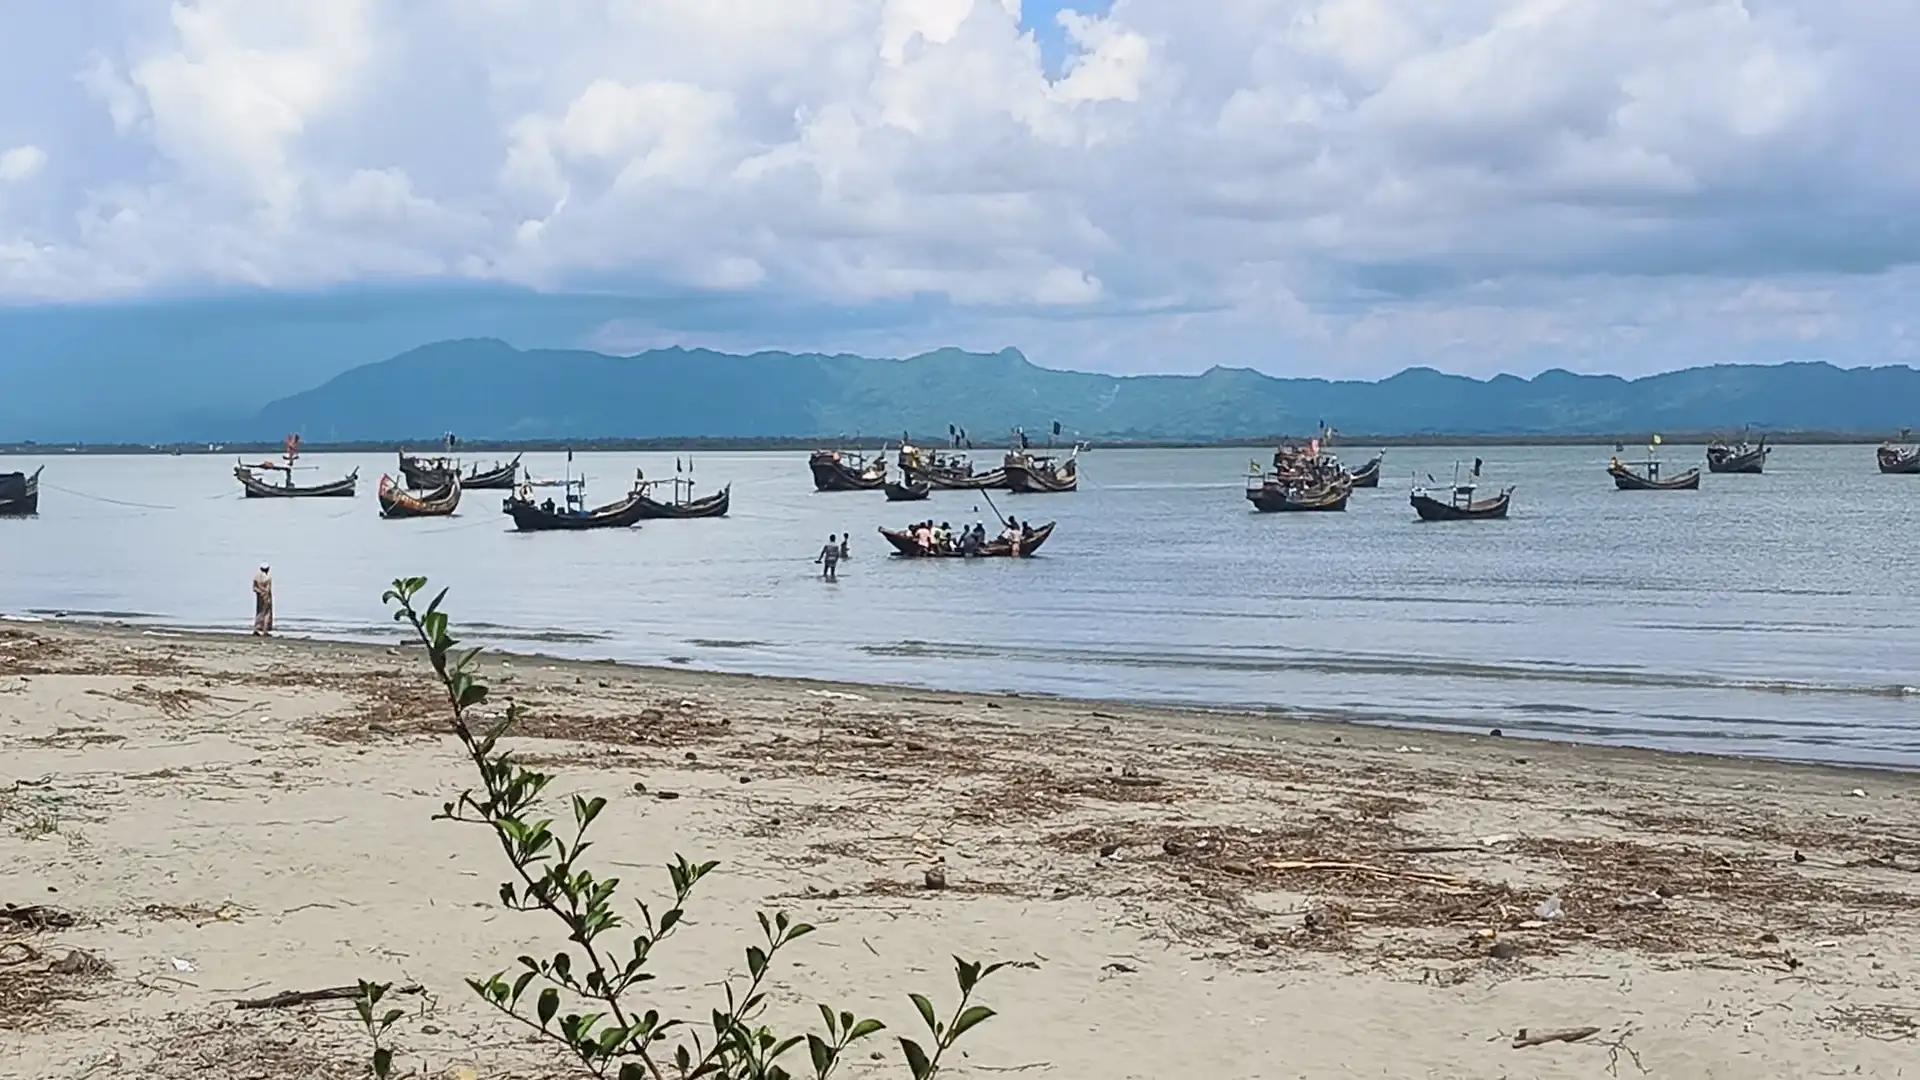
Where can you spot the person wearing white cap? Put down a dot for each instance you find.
(263, 601)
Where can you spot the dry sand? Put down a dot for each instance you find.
(226, 817)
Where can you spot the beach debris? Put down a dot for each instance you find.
(1108, 851)
(1504, 948)
(1495, 733)
(36, 917)
(1549, 909)
(1640, 903)
(837, 695)
(1119, 968)
(1859, 794)
(1524, 1038)
(1363, 868)
(666, 796)
(936, 876)
(180, 964)
(79, 962)
(289, 998)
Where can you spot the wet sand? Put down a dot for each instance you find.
(1181, 893)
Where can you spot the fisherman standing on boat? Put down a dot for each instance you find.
(829, 559)
(263, 601)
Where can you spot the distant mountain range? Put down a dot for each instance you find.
(222, 370)
(488, 389)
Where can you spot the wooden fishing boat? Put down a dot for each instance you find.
(435, 473)
(999, 547)
(572, 514)
(1899, 456)
(397, 502)
(1368, 475)
(911, 491)
(1649, 479)
(1271, 496)
(1037, 474)
(947, 470)
(847, 470)
(1460, 505)
(678, 505)
(1738, 457)
(20, 493)
(256, 488)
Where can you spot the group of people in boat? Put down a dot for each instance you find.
(941, 539)
(1306, 467)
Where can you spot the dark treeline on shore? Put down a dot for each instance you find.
(432, 444)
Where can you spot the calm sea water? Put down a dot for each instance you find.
(1769, 615)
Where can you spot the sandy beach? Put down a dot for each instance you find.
(201, 819)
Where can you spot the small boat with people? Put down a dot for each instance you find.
(1301, 480)
(1899, 455)
(1647, 477)
(571, 514)
(1271, 496)
(256, 487)
(909, 491)
(20, 493)
(1738, 457)
(434, 473)
(1459, 503)
(925, 540)
(398, 502)
(847, 470)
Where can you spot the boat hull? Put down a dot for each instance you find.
(1368, 475)
(422, 476)
(1025, 479)
(908, 492)
(397, 503)
(714, 505)
(1898, 462)
(255, 488)
(1628, 480)
(1272, 499)
(986, 481)
(1432, 509)
(530, 517)
(1751, 462)
(832, 475)
(20, 494)
(906, 547)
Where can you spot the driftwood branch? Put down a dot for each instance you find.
(1363, 868)
(1541, 1038)
(288, 998)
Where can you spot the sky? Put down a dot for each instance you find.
(1334, 187)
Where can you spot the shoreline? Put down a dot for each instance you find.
(1249, 722)
(1328, 899)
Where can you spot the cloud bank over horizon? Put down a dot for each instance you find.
(1336, 187)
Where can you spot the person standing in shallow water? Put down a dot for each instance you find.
(829, 560)
(263, 601)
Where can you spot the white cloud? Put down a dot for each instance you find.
(21, 162)
(1347, 185)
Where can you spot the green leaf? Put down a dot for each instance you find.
(916, 1059)
(926, 1010)
(822, 1054)
(827, 1015)
(865, 1028)
(756, 961)
(968, 974)
(383, 1063)
(798, 930)
(633, 1070)
(969, 1018)
(549, 1004)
